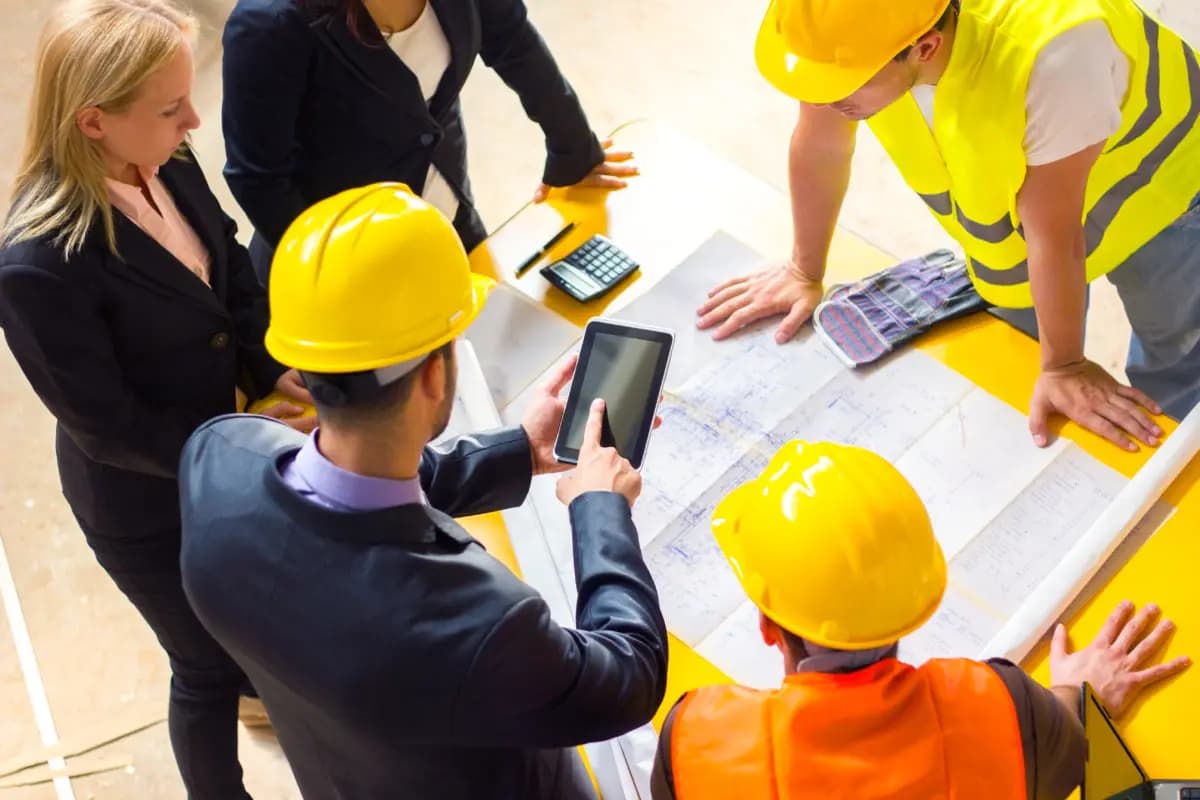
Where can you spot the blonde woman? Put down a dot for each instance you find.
(134, 314)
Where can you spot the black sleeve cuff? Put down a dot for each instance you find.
(570, 167)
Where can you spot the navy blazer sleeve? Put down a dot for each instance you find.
(514, 49)
(57, 333)
(264, 73)
(536, 684)
(478, 473)
(247, 304)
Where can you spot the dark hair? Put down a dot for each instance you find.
(356, 410)
(352, 12)
(944, 20)
(796, 646)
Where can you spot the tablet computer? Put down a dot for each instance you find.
(624, 365)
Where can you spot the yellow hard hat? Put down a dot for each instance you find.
(369, 278)
(833, 544)
(822, 51)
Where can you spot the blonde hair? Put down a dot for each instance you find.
(91, 53)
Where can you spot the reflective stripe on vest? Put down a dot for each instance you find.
(945, 730)
(971, 167)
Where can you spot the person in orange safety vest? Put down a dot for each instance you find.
(836, 549)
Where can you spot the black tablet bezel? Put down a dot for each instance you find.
(666, 339)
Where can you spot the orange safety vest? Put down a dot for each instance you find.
(947, 730)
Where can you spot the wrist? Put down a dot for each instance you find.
(1062, 366)
(805, 270)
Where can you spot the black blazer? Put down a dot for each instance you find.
(396, 657)
(310, 110)
(131, 354)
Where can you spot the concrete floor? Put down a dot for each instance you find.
(686, 63)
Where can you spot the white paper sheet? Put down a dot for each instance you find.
(1005, 512)
(514, 339)
(1136, 501)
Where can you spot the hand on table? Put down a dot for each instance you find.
(608, 174)
(779, 289)
(1086, 394)
(600, 469)
(292, 411)
(1113, 663)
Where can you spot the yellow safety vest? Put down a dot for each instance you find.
(971, 166)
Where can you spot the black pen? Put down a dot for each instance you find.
(533, 259)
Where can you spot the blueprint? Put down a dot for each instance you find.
(1004, 511)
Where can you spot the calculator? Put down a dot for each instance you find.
(591, 270)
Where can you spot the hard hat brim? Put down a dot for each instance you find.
(305, 357)
(812, 82)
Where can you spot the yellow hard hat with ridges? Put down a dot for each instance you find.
(833, 544)
(822, 51)
(370, 277)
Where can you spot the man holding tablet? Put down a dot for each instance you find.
(395, 656)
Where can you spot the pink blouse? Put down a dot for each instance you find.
(165, 224)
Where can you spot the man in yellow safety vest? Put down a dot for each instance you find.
(1055, 140)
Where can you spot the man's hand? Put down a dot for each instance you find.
(1089, 396)
(544, 417)
(608, 174)
(780, 289)
(1113, 663)
(600, 469)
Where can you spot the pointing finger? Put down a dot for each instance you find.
(595, 425)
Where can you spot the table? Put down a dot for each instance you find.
(683, 195)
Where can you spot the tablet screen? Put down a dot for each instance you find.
(625, 367)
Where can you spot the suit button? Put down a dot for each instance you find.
(219, 341)
(427, 139)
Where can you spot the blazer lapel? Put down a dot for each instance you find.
(145, 260)
(460, 24)
(206, 220)
(374, 64)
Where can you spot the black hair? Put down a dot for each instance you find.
(353, 399)
(944, 20)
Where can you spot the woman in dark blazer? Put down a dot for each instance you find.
(135, 315)
(325, 95)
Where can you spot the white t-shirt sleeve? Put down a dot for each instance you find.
(1075, 93)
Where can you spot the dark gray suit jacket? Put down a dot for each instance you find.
(395, 656)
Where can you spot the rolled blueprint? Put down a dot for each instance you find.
(1054, 595)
